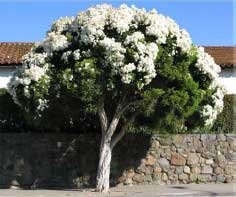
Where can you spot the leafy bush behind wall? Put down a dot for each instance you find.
(226, 121)
(11, 118)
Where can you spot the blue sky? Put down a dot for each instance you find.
(209, 22)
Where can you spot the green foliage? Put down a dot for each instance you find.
(60, 117)
(225, 122)
(180, 94)
(11, 117)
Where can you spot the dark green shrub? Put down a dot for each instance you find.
(226, 120)
(11, 117)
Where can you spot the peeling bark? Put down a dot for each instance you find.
(102, 117)
(107, 144)
(103, 172)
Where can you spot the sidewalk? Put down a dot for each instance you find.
(133, 191)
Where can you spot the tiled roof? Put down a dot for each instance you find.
(12, 52)
(224, 56)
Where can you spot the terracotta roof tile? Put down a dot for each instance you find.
(224, 56)
(12, 52)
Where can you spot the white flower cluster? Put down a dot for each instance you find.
(134, 38)
(121, 18)
(206, 64)
(161, 27)
(144, 55)
(126, 71)
(24, 76)
(32, 58)
(54, 42)
(65, 56)
(158, 27)
(34, 72)
(34, 67)
(42, 105)
(210, 112)
(183, 40)
(95, 21)
(62, 24)
(114, 53)
(76, 54)
(92, 23)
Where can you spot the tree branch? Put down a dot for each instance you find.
(121, 108)
(121, 134)
(108, 129)
(114, 122)
(128, 105)
(102, 116)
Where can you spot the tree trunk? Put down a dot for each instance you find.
(106, 146)
(103, 172)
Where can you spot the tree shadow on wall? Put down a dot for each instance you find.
(128, 154)
(76, 165)
(65, 161)
(79, 161)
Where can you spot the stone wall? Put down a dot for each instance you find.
(70, 161)
(62, 160)
(186, 159)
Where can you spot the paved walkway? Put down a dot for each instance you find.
(134, 191)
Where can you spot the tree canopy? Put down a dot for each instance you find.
(125, 65)
(108, 53)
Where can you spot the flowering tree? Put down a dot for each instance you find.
(127, 66)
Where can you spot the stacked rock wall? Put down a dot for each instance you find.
(66, 160)
(186, 159)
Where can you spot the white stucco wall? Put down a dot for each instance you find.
(5, 75)
(227, 78)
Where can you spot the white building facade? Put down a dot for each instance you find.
(228, 79)
(5, 75)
